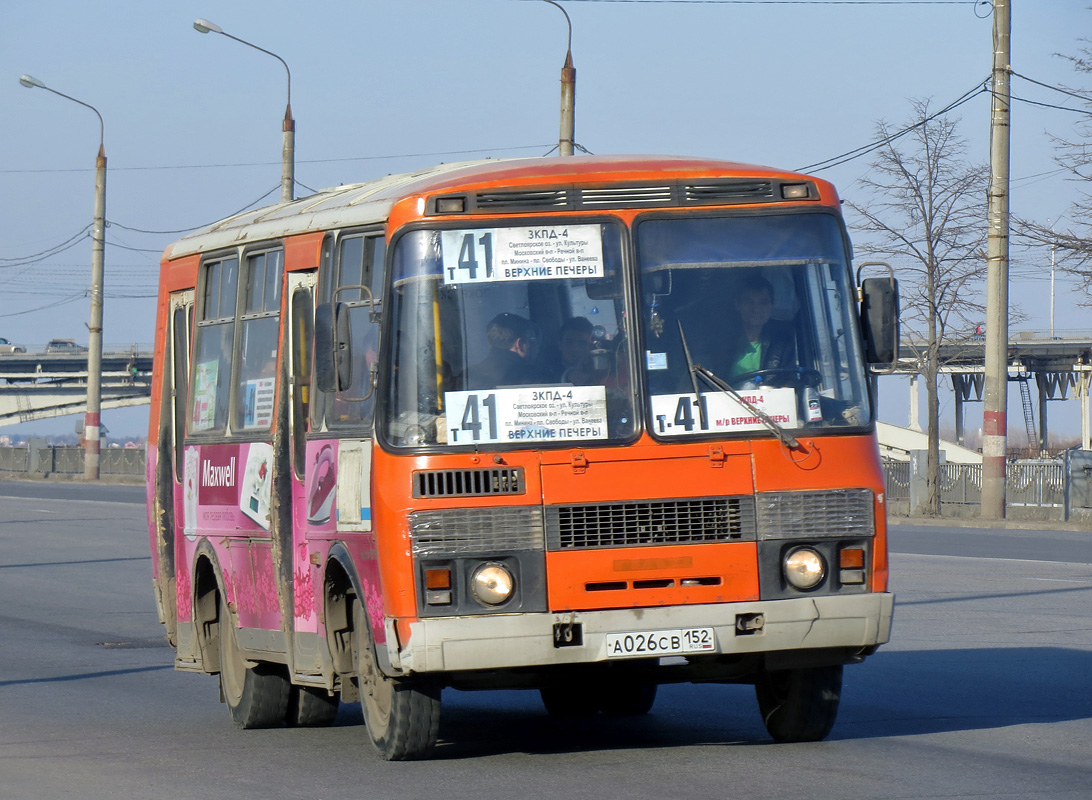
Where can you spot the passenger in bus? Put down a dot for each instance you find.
(572, 361)
(759, 342)
(513, 351)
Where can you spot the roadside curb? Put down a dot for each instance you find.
(1075, 526)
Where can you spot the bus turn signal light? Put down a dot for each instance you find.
(851, 561)
(438, 587)
(437, 579)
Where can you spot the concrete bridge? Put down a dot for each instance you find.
(41, 385)
(1057, 364)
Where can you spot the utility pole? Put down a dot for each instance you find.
(995, 398)
(567, 138)
(92, 425)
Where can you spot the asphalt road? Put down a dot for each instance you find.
(984, 691)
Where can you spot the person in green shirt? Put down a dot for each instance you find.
(761, 342)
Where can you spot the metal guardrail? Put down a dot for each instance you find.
(115, 461)
(896, 478)
(961, 484)
(1031, 484)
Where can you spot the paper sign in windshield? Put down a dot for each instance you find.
(526, 415)
(681, 414)
(543, 252)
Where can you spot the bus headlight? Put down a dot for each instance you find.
(492, 584)
(804, 568)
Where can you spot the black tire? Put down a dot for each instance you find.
(627, 699)
(256, 696)
(570, 702)
(402, 716)
(799, 705)
(309, 707)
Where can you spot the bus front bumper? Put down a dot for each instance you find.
(527, 640)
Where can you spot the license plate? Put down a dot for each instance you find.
(661, 643)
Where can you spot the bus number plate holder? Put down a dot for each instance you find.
(682, 641)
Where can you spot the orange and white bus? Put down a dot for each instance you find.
(580, 425)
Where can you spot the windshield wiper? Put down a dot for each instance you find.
(697, 370)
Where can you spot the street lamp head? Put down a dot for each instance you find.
(31, 82)
(204, 26)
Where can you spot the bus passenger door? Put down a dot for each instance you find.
(170, 472)
(312, 468)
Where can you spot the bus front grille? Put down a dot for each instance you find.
(468, 482)
(651, 522)
(475, 531)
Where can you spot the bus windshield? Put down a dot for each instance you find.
(509, 335)
(765, 304)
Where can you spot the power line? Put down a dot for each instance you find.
(873, 146)
(1049, 105)
(277, 163)
(205, 225)
(65, 301)
(134, 249)
(51, 250)
(794, 2)
(49, 254)
(1058, 89)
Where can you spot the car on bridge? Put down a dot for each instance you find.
(65, 346)
(7, 347)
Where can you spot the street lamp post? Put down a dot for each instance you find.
(92, 421)
(288, 150)
(567, 139)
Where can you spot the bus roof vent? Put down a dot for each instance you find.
(468, 482)
(523, 200)
(728, 192)
(616, 196)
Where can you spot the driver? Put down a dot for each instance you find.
(760, 342)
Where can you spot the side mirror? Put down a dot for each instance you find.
(880, 320)
(343, 347)
(325, 369)
(333, 348)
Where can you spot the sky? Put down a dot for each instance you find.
(193, 121)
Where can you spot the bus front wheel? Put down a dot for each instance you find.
(256, 696)
(799, 705)
(626, 699)
(402, 716)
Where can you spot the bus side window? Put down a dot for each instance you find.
(326, 278)
(303, 335)
(359, 262)
(180, 352)
(256, 367)
(215, 336)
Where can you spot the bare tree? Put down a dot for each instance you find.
(926, 215)
(1072, 240)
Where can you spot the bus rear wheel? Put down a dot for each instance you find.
(799, 705)
(256, 696)
(309, 707)
(402, 716)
